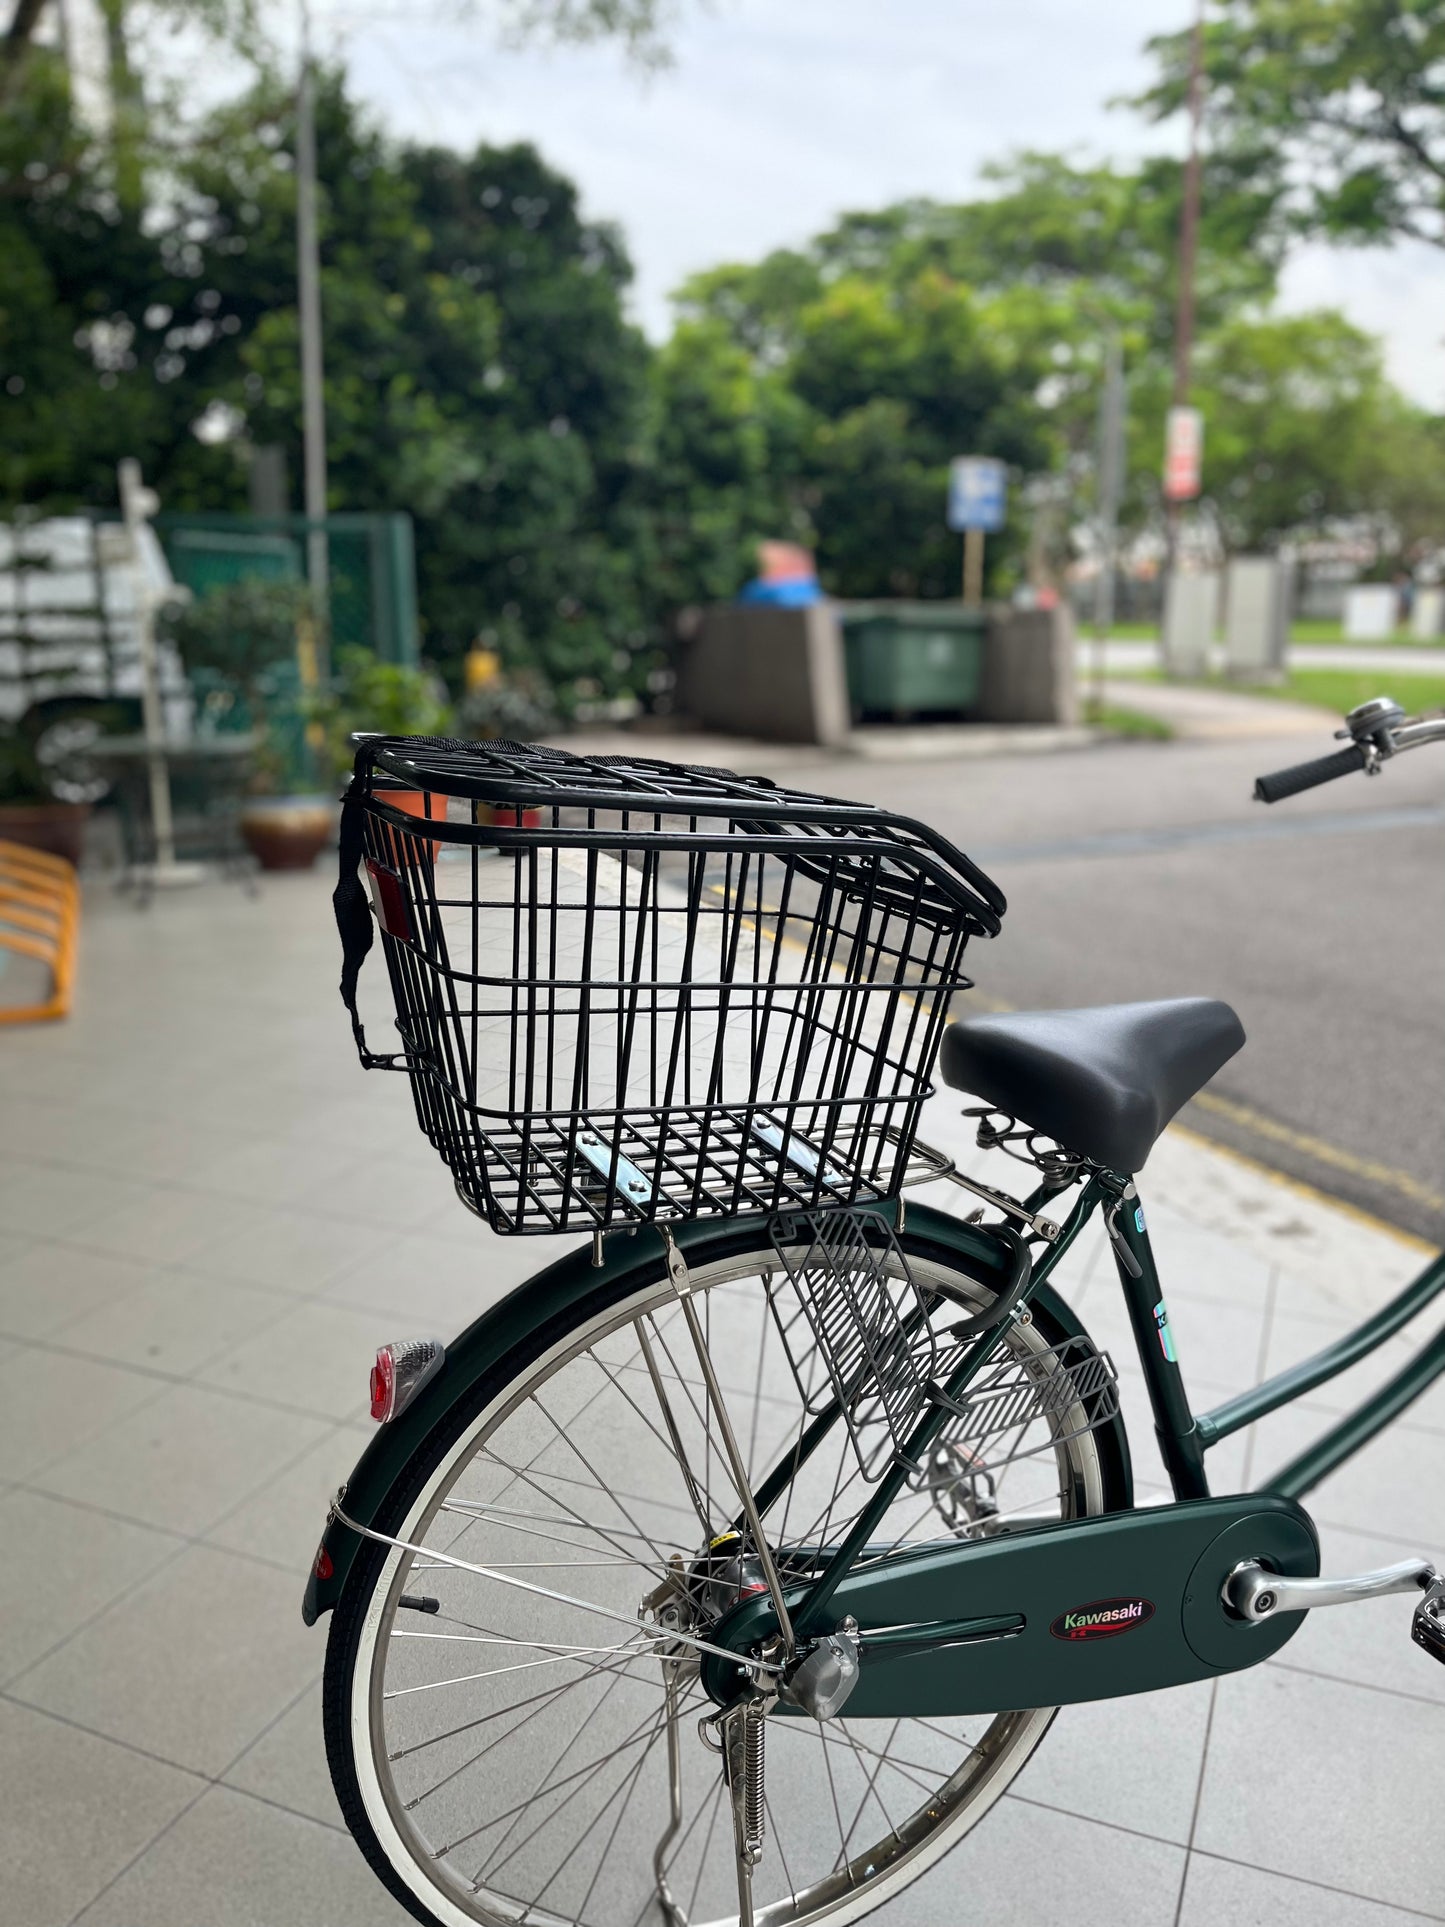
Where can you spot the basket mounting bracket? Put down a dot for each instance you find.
(1001, 1201)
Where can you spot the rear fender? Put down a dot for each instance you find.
(546, 1306)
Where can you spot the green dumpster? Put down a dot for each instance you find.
(912, 658)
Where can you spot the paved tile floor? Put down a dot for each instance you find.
(209, 1219)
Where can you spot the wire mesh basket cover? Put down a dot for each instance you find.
(628, 990)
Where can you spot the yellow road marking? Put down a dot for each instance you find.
(1310, 1192)
(1315, 1147)
(1319, 1149)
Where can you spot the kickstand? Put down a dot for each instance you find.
(672, 1692)
(744, 1733)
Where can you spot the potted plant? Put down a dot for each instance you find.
(371, 697)
(29, 812)
(249, 641)
(505, 705)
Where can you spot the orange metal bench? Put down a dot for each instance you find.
(39, 918)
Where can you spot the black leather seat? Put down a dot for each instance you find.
(1104, 1082)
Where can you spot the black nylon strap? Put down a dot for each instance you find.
(351, 902)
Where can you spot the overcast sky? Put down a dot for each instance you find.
(779, 114)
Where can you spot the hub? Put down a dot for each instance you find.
(723, 1576)
(696, 1596)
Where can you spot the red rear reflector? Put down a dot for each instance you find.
(389, 900)
(383, 1385)
(323, 1567)
(400, 1371)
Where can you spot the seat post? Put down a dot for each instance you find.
(1174, 1425)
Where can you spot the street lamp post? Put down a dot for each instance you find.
(313, 400)
(1188, 249)
(1110, 488)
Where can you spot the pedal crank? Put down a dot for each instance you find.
(1253, 1592)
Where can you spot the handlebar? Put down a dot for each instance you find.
(1281, 783)
(1377, 730)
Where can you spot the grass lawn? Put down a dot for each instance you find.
(1314, 632)
(1132, 723)
(1342, 689)
(1333, 632)
(1334, 689)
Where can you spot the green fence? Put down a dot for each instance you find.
(372, 568)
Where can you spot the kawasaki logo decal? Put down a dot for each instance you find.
(1102, 1619)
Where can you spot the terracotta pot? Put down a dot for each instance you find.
(415, 803)
(287, 832)
(502, 818)
(58, 828)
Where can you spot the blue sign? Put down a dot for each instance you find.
(977, 493)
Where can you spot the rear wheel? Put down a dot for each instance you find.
(507, 1742)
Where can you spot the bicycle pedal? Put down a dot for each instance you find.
(1427, 1628)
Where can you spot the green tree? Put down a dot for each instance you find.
(1349, 95)
(111, 337)
(900, 380)
(924, 329)
(1047, 223)
(479, 372)
(1303, 428)
(835, 399)
(723, 446)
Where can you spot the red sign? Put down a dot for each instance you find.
(1183, 454)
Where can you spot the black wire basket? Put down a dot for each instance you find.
(630, 991)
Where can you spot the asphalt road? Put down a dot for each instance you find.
(1145, 870)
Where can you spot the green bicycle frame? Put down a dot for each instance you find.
(1184, 1438)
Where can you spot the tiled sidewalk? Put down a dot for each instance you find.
(208, 1221)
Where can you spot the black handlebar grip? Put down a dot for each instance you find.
(1307, 776)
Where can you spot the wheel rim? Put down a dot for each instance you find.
(526, 1780)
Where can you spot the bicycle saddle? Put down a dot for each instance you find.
(1104, 1081)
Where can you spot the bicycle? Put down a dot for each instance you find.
(787, 1509)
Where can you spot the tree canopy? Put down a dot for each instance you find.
(1011, 296)
(572, 487)
(1342, 101)
(479, 368)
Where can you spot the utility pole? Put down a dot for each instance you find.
(1110, 473)
(313, 399)
(1188, 246)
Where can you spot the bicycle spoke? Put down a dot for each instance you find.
(538, 1702)
(646, 1732)
(869, 1790)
